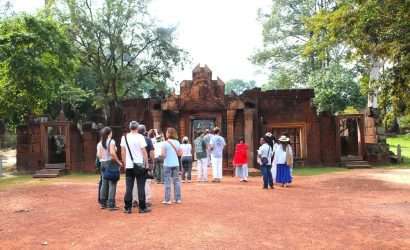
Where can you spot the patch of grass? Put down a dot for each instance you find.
(404, 141)
(13, 180)
(18, 180)
(309, 171)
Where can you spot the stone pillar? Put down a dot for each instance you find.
(249, 115)
(156, 119)
(230, 119)
(182, 127)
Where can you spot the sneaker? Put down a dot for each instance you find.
(103, 206)
(271, 187)
(135, 204)
(148, 204)
(245, 180)
(178, 202)
(166, 202)
(143, 211)
(189, 181)
(214, 180)
(127, 210)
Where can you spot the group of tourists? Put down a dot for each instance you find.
(275, 157)
(150, 155)
(140, 151)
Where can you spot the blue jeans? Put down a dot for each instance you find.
(267, 176)
(172, 173)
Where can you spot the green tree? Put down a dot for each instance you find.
(238, 86)
(377, 34)
(285, 36)
(37, 63)
(335, 89)
(130, 56)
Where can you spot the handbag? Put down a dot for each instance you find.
(97, 163)
(112, 173)
(265, 160)
(139, 168)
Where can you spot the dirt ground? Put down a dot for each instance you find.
(359, 209)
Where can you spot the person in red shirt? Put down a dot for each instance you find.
(240, 160)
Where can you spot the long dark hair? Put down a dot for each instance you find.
(104, 134)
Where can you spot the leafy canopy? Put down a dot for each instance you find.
(37, 63)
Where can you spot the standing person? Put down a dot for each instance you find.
(171, 149)
(265, 153)
(99, 170)
(150, 152)
(133, 151)
(240, 160)
(159, 168)
(201, 157)
(186, 159)
(274, 167)
(217, 145)
(106, 153)
(284, 161)
(207, 137)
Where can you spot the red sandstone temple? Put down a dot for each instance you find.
(317, 139)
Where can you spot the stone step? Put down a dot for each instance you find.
(55, 166)
(49, 171)
(355, 164)
(45, 175)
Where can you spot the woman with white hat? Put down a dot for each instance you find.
(186, 159)
(284, 161)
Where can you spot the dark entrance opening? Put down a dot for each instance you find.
(349, 137)
(200, 125)
(56, 144)
(294, 136)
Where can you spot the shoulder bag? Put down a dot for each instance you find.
(139, 168)
(265, 160)
(112, 172)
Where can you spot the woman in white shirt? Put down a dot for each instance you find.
(284, 161)
(106, 152)
(186, 159)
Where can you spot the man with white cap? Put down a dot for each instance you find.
(150, 152)
(217, 145)
(133, 151)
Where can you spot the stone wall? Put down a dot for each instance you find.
(29, 156)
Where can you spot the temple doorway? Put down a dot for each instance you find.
(56, 145)
(200, 125)
(350, 138)
(294, 135)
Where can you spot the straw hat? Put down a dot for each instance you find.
(283, 139)
(268, 134)
(185, 138)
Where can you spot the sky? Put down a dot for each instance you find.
(220, 33)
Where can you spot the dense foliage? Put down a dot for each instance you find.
(84, 56)
(37, 65)
(372, 31)
(288, 54)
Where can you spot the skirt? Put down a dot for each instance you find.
(283, 174)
